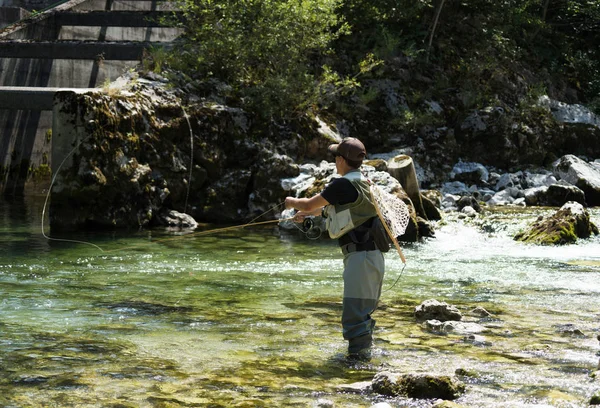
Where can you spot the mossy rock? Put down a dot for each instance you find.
(595, 400)
(420, 386)
(447, 404)
(566, 226)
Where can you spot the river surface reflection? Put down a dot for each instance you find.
(251, 317)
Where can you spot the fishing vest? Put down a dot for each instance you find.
(346, 217)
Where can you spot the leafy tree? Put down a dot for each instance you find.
(270, 52)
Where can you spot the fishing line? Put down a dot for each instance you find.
(189, 184)
(202, 233)
(199, 233)
(397, 279)
(48, 197)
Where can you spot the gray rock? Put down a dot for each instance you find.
(432, 309)
(567, 113)
(477, 340)
(562, 192)
(455, 187)
(381, 405)
(324, 403)
(176, 219)
(469, 211)
(469, 172)
(508, 180)
(468, 201)
(535, 195)
(581, 174)
(357, 387)
(462, 327)
(480, 312)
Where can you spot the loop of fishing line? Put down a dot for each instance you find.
(199, 233)
(309, 229)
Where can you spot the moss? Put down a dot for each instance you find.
(41, 173)
(466, 372)
(561, 228)
(315, 189)
(48, 135)
(595, 400)
(428, 386)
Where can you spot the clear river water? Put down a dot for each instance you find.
(250, 317)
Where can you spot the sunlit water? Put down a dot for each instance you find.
(251, 317)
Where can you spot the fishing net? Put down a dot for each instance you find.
(393, 213)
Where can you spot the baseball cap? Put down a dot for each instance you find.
(349, 148)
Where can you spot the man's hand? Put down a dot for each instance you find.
(290, 202)
(300, 216)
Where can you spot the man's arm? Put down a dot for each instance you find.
(310, 206)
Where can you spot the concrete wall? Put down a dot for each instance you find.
(9, 15)
(25, 135)
(28, 4)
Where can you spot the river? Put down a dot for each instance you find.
(250, 317)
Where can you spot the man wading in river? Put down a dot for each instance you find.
(346, 203)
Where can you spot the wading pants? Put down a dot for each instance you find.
(363, 277)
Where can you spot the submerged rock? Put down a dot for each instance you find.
(567, 225)
(480, 312)
(421, 386)
(454, 327)
(432, 309)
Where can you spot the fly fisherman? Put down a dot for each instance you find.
(346, 202)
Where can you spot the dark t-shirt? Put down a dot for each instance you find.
(339, 192)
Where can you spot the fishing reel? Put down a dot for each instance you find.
(310, 229)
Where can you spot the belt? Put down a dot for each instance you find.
(352, 247)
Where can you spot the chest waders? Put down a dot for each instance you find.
(363, 266)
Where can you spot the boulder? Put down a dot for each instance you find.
(175, 219)
(470, 173)
(420, 386)
(468, 201)
(581, 174)
(431, 208)
(432, 309)
(568, 224)
(535, 195)
(562, 192)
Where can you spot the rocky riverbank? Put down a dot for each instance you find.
(145, 151)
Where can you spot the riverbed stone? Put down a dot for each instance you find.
(535, 195)
(175, 219)
(581, 174)
(565, 226)
(480, 312)
(561, 193)
(357, 387)
(447, 404)
(420, 386)
(462, 327)
(432, 309)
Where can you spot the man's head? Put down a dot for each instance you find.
(351, 149)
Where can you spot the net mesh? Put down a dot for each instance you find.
(393, 212)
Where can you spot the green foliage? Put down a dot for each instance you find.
(269, 51)
(283, 57)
